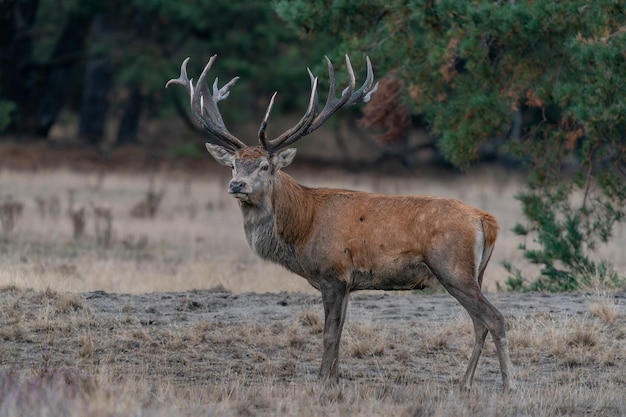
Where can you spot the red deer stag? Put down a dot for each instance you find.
(343, 241)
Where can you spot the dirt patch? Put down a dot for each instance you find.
(210, 339)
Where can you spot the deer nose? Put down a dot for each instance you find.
(236, 186)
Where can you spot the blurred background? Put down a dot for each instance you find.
(94, 73)
(522, 99)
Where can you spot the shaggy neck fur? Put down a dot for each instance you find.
(278, 227)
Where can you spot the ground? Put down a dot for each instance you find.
(215, 352)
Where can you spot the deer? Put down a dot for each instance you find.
(343, 241)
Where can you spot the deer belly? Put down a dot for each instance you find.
(412, 275)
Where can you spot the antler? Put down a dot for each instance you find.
(204, 105)
(311, 119)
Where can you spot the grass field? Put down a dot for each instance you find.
(153, 315)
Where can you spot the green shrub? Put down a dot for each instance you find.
(6, 107)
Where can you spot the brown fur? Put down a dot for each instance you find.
(252, 152)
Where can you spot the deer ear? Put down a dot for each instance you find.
(221, 154)
(283, 158)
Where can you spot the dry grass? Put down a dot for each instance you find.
(195, 238)
(603, 307)
(175, 351)
(218, 353)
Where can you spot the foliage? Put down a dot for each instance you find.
(144, 42)
(6, 107)
(247, 36)
(186, 149)
(546, 78)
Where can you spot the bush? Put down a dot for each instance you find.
(6, 107)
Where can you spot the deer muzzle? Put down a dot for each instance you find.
(238, 188)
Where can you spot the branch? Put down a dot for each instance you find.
(587, 187)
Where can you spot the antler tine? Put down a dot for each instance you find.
(204, 105)
(313, 120)
(299, 130)
(350, 88)
(210, 104)
(262, 136)
(332, 103)
(182, 78)
(364, 94)
(332, 84)
(220, 94)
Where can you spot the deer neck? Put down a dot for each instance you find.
(278, 226)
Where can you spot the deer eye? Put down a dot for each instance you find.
(265, 167)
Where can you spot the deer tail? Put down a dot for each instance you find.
(490, 233)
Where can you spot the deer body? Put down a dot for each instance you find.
(343, 241)
(368, 241)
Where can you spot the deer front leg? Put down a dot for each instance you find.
(335, 299)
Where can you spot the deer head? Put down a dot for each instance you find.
(254, 170)
(255, 167)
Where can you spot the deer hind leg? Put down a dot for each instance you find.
(335, 300)
(461, 280)
(480, 330)
(484, 312)
(480, 333)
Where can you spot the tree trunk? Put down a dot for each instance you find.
(38, 92)
(54, 88)
(96, 86)
(129, 124)
(16, 67)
